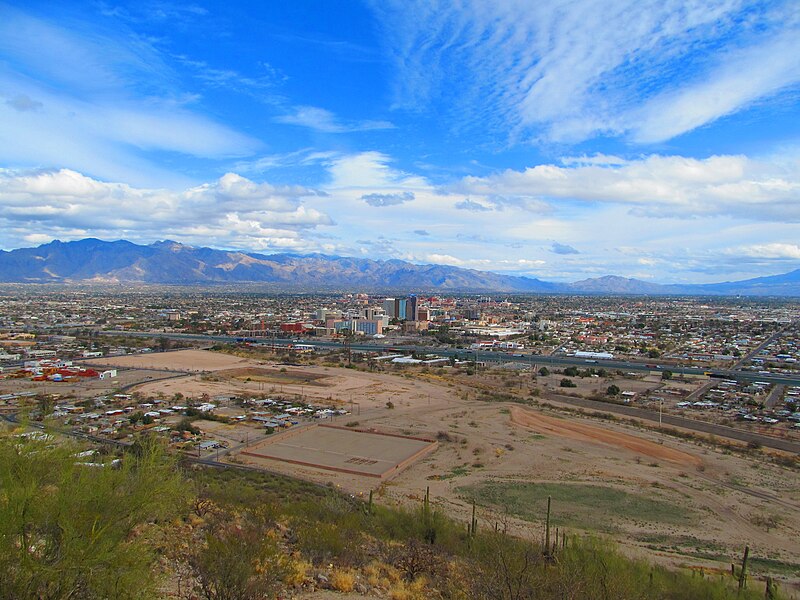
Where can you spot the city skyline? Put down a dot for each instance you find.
(649, 140)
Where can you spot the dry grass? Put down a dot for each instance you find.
(343, 580)
(296, 572)
(416, 590)
(379, 574)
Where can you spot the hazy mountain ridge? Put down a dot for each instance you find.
(167, 262)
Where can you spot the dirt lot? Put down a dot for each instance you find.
(275, 376)
(339, 449)
(671, 500)
(180, 360)
(572, 430)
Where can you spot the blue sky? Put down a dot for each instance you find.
(561, 140)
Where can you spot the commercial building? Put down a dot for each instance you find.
(412, 309)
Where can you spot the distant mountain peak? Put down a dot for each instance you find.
(170, 245)
(170, 262)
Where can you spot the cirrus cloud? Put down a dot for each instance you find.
(325, 121)
(570, 71)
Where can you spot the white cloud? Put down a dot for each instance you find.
(444, 259)
(773, 250)
(483, 264)
(570, 70)
(661, 186)
(96, 103)
(370, 170)
(741, 78)
(298, 158)
(230, 212)
(323, 120)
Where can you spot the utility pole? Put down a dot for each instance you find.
(348, 342)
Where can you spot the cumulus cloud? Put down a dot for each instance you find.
(660, 186)
(323, 120)
(444, 259)
(388, 199)
(774, 250)
(557, 248)
(232, 211)
(521, 265)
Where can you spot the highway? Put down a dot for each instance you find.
(489, 356)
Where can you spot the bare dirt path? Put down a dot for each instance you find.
(572, 429)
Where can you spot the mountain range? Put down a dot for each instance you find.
(96, 261)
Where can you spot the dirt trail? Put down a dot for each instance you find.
(590, 433)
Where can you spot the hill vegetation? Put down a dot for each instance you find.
(142, 526)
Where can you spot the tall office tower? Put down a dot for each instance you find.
(400, 308)
(412, 308)
(388, 308)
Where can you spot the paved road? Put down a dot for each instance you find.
(484, 356)
(775, 396)
(759, 348)
(683, 422)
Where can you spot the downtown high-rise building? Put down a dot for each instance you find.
(412, 309)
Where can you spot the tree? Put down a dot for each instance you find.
(568, 383)
(766, 521)
(238, 562)
(507, 569)
(185, 424)
(544, 371)
(68, 530)
(612, 390)
(666, 375)
(571, 371)
(44, 403)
